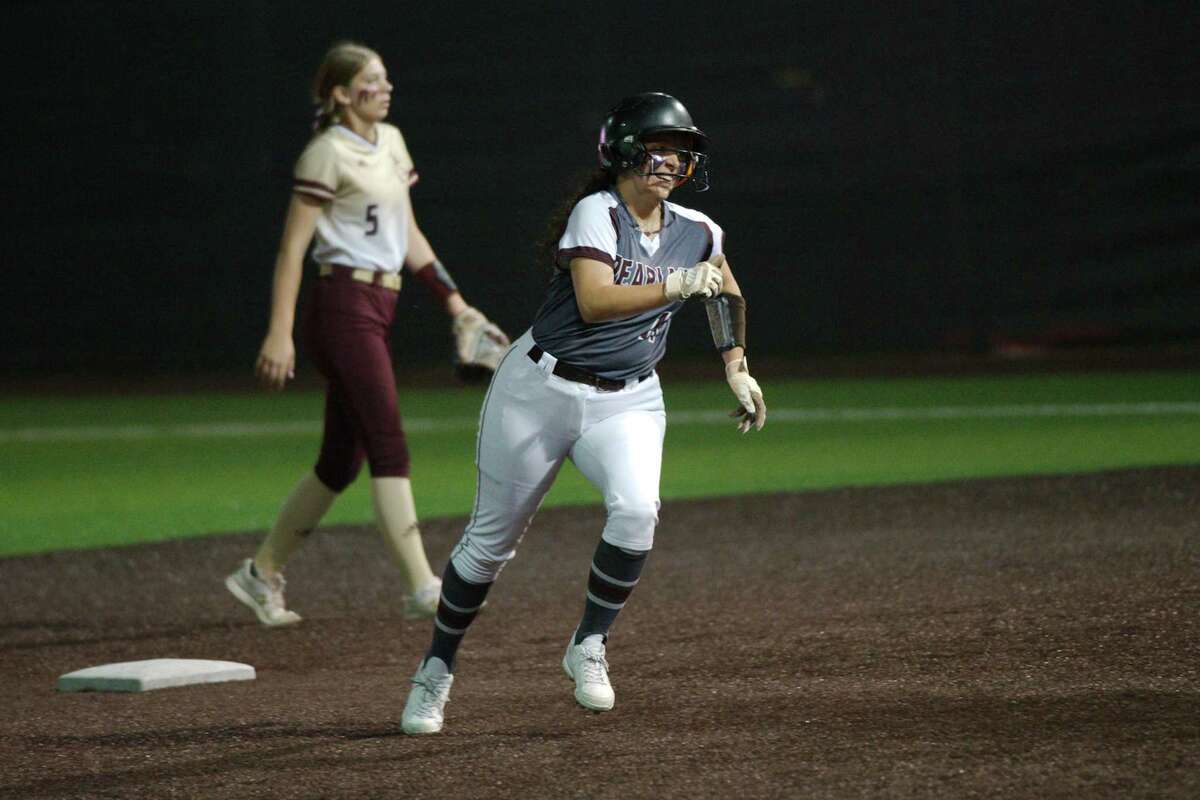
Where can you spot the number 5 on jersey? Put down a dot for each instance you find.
(372, 220)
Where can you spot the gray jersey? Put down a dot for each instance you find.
(601, 228)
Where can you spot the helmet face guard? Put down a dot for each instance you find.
(638, 118)
(688, 163)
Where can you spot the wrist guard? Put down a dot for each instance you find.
(437, 280)
(727, 318)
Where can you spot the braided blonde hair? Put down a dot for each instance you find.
(343, 61)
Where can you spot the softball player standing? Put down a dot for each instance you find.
(350, 193)
(580, 384)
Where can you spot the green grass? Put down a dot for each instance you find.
(87, 491)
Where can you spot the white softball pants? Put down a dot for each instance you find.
(532, 420)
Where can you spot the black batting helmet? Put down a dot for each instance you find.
(638, 117)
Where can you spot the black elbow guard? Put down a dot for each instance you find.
(727, 319)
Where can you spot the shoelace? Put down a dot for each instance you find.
(595, 666)
(435, 688)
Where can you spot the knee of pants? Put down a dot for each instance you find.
(389, 459)
(338, 474)
(476, 562)
(503, 511)
(631, 524)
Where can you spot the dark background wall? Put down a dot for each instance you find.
(892, 177)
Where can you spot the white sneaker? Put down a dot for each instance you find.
(265, 598)
(423, 603)
(585, 664)
(424, 710)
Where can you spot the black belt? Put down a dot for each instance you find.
(580, 375)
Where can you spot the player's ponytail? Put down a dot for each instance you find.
(547, 246)
(325, 115)
(343, 61)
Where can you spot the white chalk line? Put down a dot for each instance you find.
(219, 430)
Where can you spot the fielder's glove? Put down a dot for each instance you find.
(705, 279)
(751, 409)
(478, 346)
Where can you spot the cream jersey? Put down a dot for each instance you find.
(365, 189)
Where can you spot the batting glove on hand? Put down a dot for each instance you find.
(704, 279)
(478, 345)
(751, 409)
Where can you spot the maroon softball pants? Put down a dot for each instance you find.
(347, 326)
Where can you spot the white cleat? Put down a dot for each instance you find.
(423, 603)
(424, 712)
(264, 598)
(585, 664)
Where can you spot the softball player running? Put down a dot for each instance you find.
(581, 384)
(351, 193)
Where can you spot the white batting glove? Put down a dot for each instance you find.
(751, 409)
(704, 279)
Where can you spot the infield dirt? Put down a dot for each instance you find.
(996, 638)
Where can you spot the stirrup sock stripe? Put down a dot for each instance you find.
(613, 575)
(457, 608)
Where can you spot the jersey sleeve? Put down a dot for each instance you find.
(591, 233)
(316, 170)
(715, 245)
(718, 238)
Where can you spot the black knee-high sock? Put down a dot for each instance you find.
(611, 579)
(457, 607)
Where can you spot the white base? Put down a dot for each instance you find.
(155, 673)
